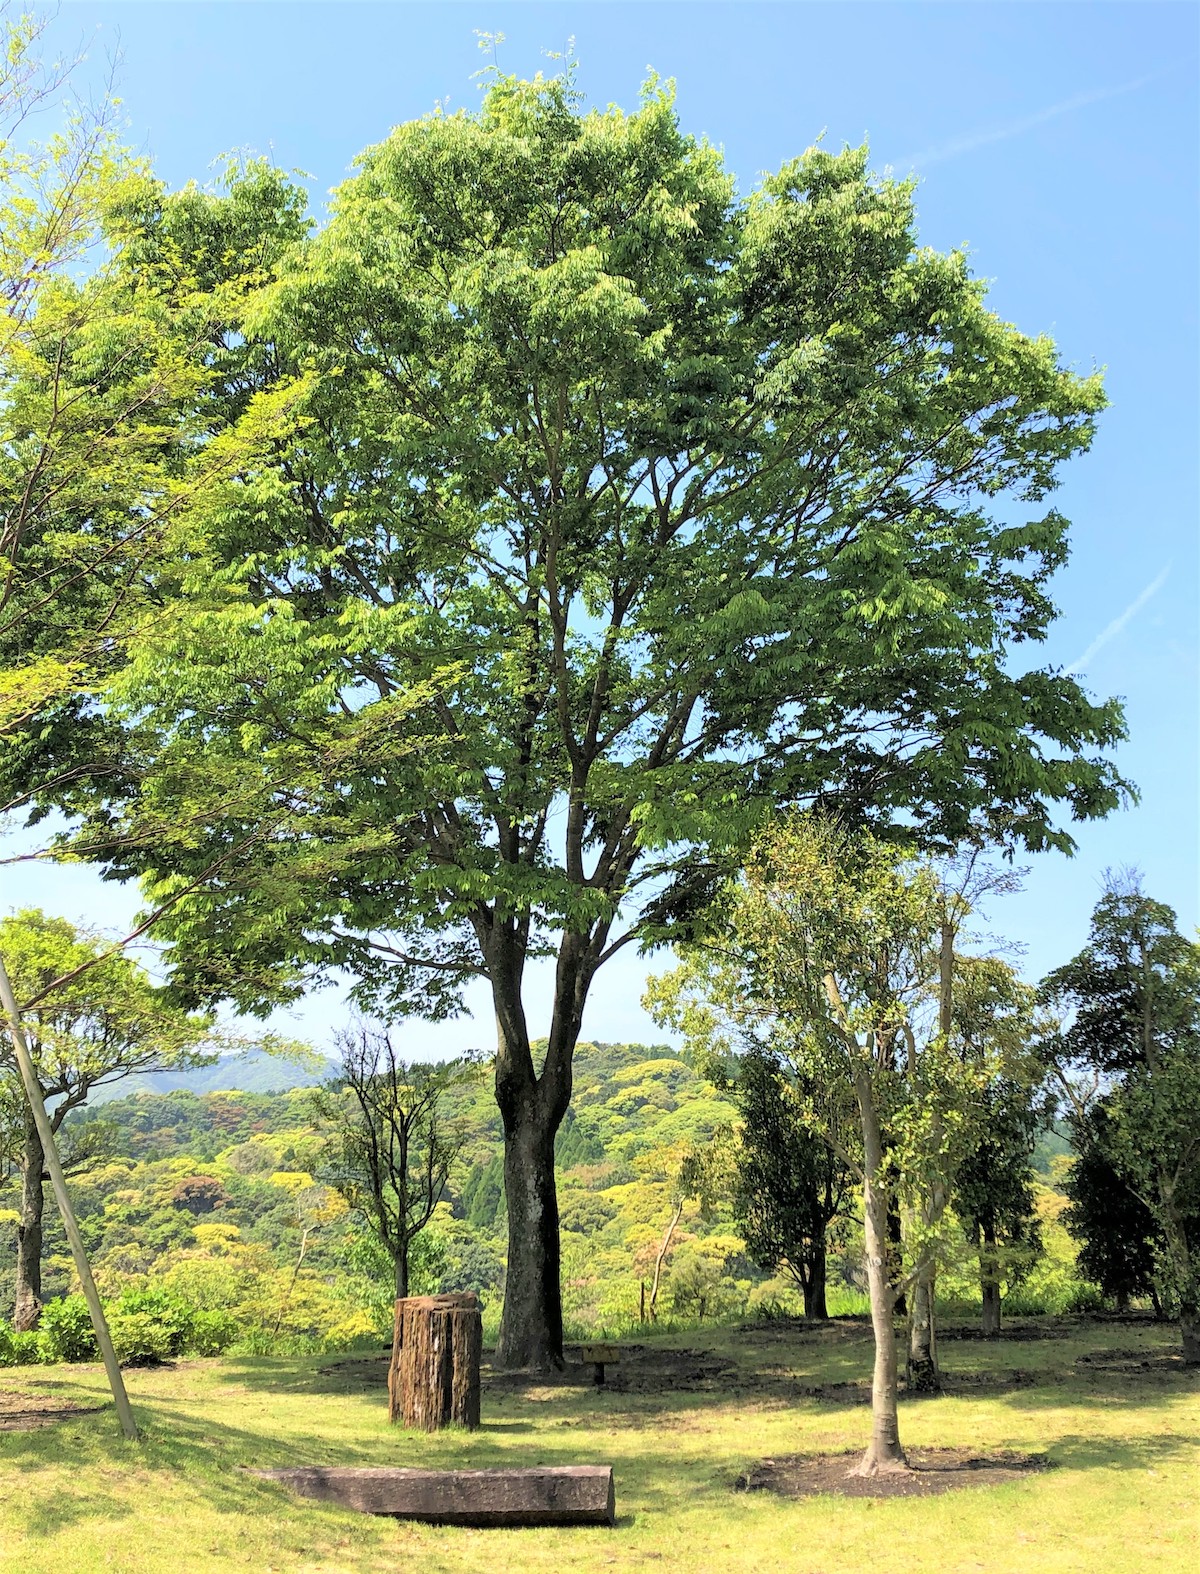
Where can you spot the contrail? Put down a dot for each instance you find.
(982, 139)
(1117, 624)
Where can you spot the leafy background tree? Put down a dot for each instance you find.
(1119, 1237)
(791, 1186)
(104, 1023)
(613, 493)
(1132, 996)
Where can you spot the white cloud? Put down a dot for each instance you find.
(1118, 623)
(1015, 128)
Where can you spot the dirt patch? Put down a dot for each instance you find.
(26, 1412)
(858, 1391)
(932, 1470)
(1018, 1334)
(367, 1371)
(1134, 1363)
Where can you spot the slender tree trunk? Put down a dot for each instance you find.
(27, 1309)
(884, 1452)
(989, 1279)
(401, 1266)
(1179, 1249)
(923, 1374)
(676, 1215)
(813, 1283)
(895, 1238)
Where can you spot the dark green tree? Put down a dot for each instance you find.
(790, 1185)
(994, 1194)
(1119, 1238)
(621, 508)
(1132, 1037)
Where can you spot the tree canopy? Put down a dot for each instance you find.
(616, 508)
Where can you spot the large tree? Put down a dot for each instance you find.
(622, 507)
(1132, 1034)
(106, 1021)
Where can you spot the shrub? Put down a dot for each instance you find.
(66, 1332)
(139, 1339)
(212, 1332)
(169, 1313)
(18, 1347)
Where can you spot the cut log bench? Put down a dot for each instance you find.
(598, 1356)
(433, 1376)
(538, 1495)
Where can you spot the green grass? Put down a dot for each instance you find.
(75, 1498)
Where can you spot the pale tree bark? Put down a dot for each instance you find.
(661, 1257)
(884, 1453)
(923, 1374)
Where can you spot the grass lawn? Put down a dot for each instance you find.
(679, 1424)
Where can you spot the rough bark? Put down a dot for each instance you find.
(433, 1379)
(813, 1283)
(532, 1107)
(27, 1308)
(884, 1452)
(1189, 1328)
(989, 1280)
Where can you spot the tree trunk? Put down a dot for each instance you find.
(401, 1265)
(27, 1308)
(662, 1257)
(813, 1283)
(923, 1374)
(531, 1333)
(1189, 1328)
(895, 1238)
(989, 1278)
(1179, 1249)
(884, 1453)
(531, 1109)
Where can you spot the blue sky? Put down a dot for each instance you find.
(1058, 143)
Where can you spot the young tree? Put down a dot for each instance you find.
(103, 1024)
(838, 950)
(1133, 998)
(392, 1148)
(621, 508)
(1119, 1236)
(994, 1194)
(791, 1185)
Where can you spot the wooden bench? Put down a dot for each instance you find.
(542, 1495)
(598, 1356)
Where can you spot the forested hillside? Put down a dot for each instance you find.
(224, 1198)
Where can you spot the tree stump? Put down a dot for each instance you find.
(433, 1379)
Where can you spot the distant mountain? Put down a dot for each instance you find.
(253, 1071)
